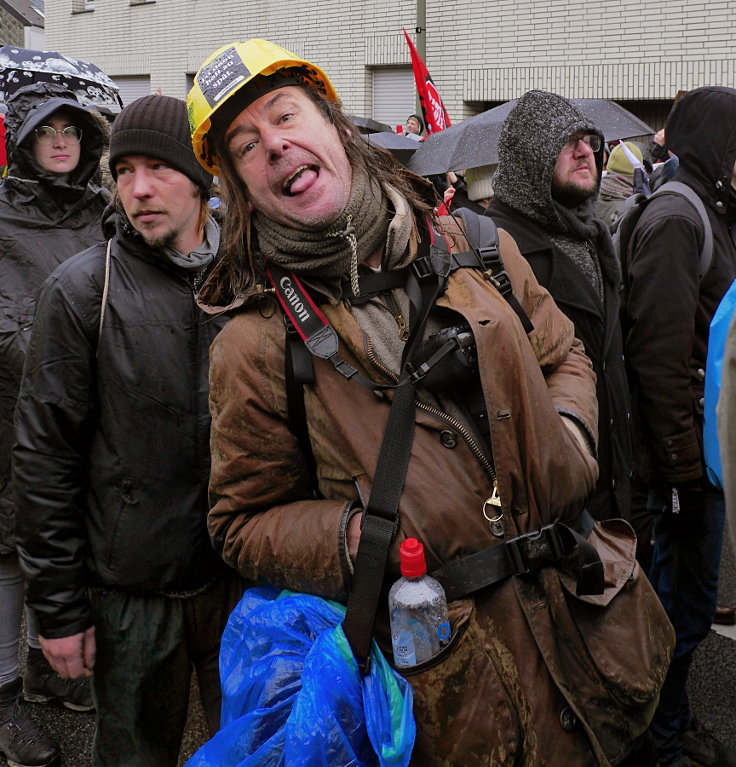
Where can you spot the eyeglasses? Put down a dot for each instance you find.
(593, 140)
(45, 134)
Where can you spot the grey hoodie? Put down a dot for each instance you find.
(531, 139)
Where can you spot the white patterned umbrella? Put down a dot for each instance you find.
(23, 66)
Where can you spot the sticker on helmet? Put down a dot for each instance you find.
(221, 75)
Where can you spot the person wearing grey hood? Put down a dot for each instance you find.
(548, 176)
(51, 206)
(112, 455)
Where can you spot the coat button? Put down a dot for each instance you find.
(448, 439)
(568, 720)
(701, 374)
(497, 528)
(702, 401)
(674, 456)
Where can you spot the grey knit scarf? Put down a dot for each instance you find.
(585, 240)
(322, 258)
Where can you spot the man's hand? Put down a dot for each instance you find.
(71, 657)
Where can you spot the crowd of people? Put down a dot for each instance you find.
(160, 454)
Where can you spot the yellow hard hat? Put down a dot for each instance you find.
(231, 68)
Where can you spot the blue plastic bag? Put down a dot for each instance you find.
(719, 326)
(293, 694)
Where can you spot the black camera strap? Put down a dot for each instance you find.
(381, 516)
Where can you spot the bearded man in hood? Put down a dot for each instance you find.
(550, 160)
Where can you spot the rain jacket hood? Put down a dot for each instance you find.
(32, 106)
(706, 157)
(531, 139)
(43, 222)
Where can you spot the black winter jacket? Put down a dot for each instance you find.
(43, 221)
(668, 308)
(600, 332)
(530, 143)
(112, 461)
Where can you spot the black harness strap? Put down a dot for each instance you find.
(524, 555)
(482, 234)
(379, 525)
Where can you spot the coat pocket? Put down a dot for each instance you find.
(463, 713)
(626, 631)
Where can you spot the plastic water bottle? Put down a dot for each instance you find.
(418, 609)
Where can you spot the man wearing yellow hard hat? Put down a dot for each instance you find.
(393, 319)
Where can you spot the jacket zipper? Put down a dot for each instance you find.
(395, 309)
(457, 425)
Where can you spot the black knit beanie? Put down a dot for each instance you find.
(157, 126)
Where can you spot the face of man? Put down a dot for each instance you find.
(161, 203)
(58, 154)
(290, 159)
(575, 177)
(412, 126)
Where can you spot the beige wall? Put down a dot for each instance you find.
(11, 30)
(476, 51)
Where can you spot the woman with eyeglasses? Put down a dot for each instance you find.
(51, 206)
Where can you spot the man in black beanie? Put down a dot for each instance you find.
(112, 456)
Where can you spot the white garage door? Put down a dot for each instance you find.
(132, 88)
(394, 95)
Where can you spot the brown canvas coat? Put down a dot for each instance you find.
(533, 675)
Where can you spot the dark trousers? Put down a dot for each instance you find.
(684, 573)
(147, 647)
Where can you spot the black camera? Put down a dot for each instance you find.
(458, 367)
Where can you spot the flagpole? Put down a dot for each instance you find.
(421, 38)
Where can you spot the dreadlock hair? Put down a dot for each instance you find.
(241, 267)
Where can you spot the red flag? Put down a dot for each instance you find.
(433, 110)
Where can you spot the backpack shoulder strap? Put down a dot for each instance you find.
(105, 291)
(482, 234)
(706, 252)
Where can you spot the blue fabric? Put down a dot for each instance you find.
(684, 573)
(293, 694)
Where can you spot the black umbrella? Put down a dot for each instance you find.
(23, 66)
(368, 125)
(401, 147)
(474, 141)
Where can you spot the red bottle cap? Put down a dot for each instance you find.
(411, 556)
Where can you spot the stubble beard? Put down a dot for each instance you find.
(165, 240)
(571, 194)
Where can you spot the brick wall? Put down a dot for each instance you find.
(11, 30)
(479, 52)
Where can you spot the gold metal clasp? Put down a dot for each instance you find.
(492, 506)
(495, 502)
